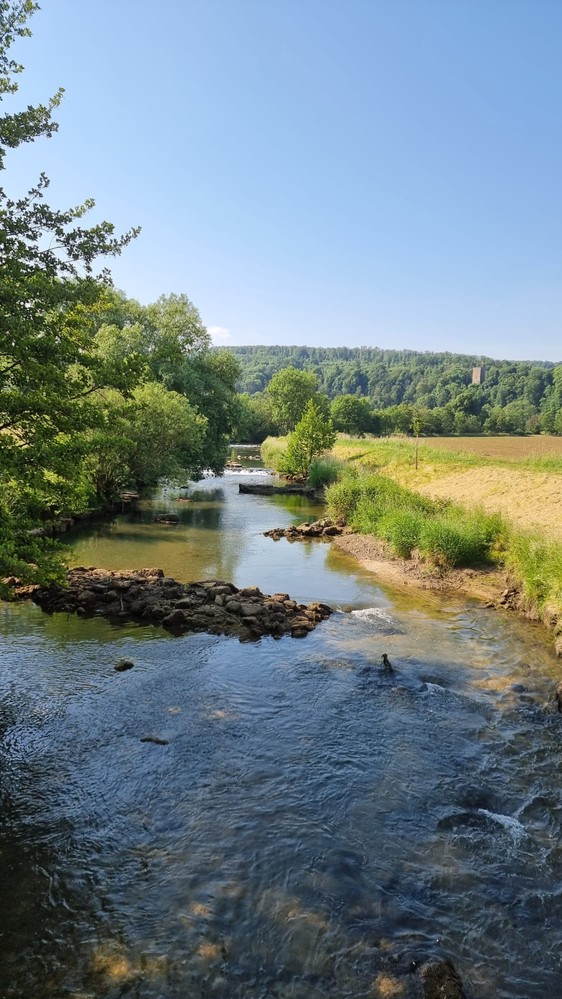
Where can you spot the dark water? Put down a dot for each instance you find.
(313, 826)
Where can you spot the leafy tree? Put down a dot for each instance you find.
(253, 421)
(169, 341)
(47, 371)
(290, 390)
(352, 415)
(152, 434)
(312, 436)
(208, 379)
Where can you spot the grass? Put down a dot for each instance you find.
(372, 495)
(439, 454)
(325, 471)
(538, 566)
(444, 534)
(274, 453)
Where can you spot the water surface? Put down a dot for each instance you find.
(313, 826)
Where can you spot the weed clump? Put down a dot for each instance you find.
(325, 471)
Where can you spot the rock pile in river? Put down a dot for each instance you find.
(213, 606)
(325, 528)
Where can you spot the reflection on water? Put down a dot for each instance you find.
(314, 825)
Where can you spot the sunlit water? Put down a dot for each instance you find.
(314, 826)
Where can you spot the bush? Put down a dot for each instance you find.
(342, 497)
(402, 529)
(325, 471)
(364, 499)
(538, 565)
(455, 542)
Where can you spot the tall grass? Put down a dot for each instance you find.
(402, 529)
(445, 535)
(538, 566)
(325, 471)
(274, 453)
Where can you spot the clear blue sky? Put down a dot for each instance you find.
(321, 172)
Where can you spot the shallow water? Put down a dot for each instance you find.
(314, 826)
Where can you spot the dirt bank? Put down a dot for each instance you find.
(489, 584)
(494, 586)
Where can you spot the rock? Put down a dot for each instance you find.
(558, 695)
(250, 591)
(87, 597)
(325, 528)
(233, 606)
(440, 981)
(123, 664)
(275, 608)
(209, 605)
(155, 739)
(299, 631)
(251, 609)
(175, 619)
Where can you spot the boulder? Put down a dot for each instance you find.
(123, 664)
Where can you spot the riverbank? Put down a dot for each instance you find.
(488, 583)
(493, 585)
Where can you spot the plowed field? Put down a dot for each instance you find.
(501, 448)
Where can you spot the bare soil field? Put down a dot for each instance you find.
(501, 448)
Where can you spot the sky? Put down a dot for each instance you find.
(322, 172)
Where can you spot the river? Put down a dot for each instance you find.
(315, 827)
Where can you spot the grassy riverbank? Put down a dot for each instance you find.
(458, 508)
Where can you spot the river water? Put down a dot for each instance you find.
(314, 827)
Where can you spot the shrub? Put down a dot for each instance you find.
(402, 529)
(455, 542)
(325, 471)
(342, 497)
(538, 565)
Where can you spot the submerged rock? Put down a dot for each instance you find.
(440, 981)
(147, 595)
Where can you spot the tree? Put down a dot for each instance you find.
(253, 421)
(290, 390)
(352, 415)
(152, 434)
(47, 370)
(312, 435)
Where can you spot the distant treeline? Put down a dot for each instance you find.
(516, 396)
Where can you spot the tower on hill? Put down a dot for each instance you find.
(478, 375)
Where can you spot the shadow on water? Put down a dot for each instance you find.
(312, 824)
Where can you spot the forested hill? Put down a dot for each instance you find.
(390, 377)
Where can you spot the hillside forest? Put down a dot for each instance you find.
(387, 391)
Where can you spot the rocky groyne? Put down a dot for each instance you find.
(324, 528)
(150, 596)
